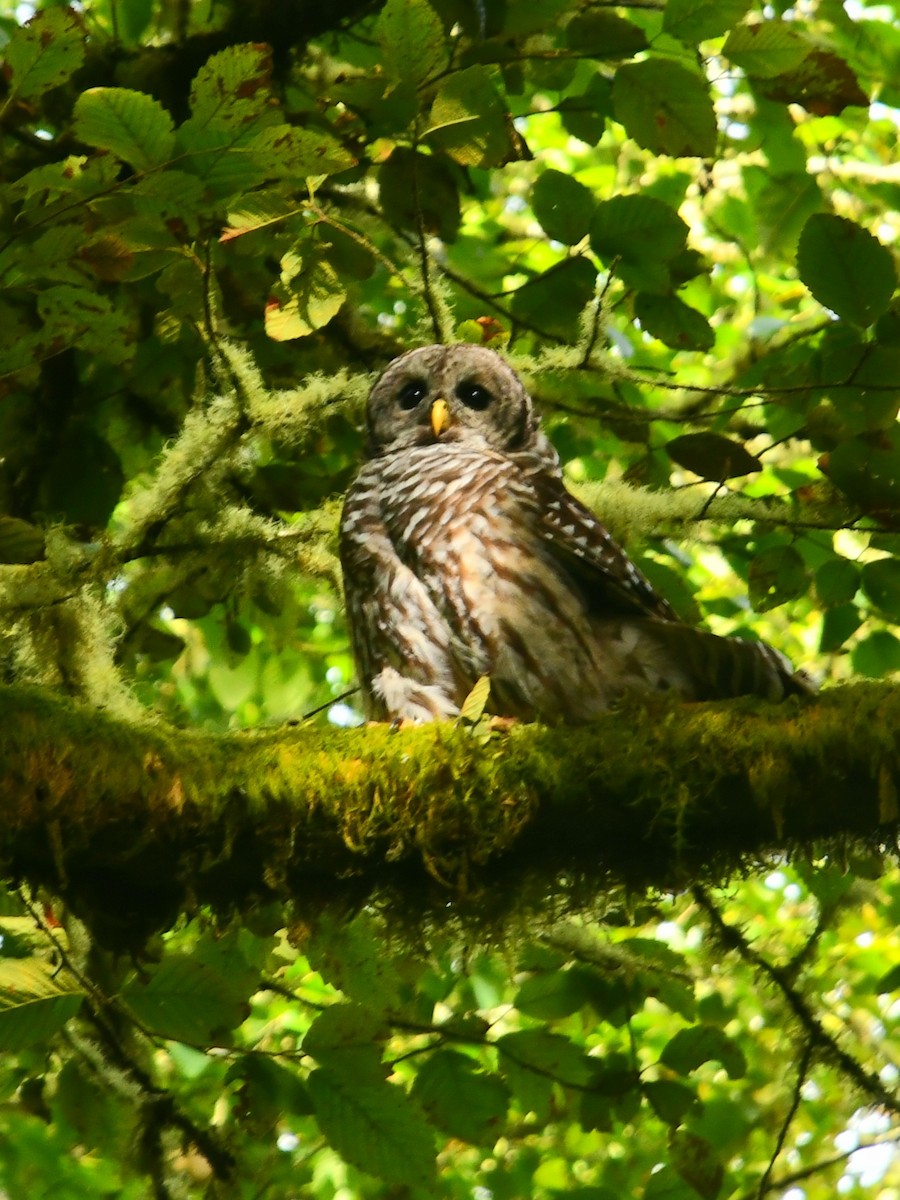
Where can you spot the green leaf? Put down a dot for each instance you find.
(666, 1184)
(268, 1089)
(838, 624)
(563, 206)
(670, 1100)
(20, 542)
(693, 21)
(881, 583)
(584, 114)
(186, 1000)
(837, 581)
(890, 981)
(44, 53)
(350, 955)
(764, 49)
(413, 185)
(305, 301)
(469, 120)
(551, 994)
(675, 323)
(846, 268)
(284, 152)
(36, 1000)
(374, 1127)
(689, 1048)
(877, 655)
(411, 36)
(473, 706)
(712, 456)
(461, 1100)
(546, 1054)
(232, 88)
(348, 1039)
(823, 83)
(776, 575)
(637, 229)
(693, 1158)
(867, 470)
(604, 35)
(554, 301)
(131, 125)
(665, 107)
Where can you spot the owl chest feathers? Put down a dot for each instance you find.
(463, 583)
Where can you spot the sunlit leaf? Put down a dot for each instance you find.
(846, 268)
(411, 36)
(44, 52)
(375, 1127)
(463, 1101)
(665, 107)
(35, 1002)
(130, 124)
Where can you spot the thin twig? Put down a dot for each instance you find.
(789, 1116)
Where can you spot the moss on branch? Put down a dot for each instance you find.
(133, 823)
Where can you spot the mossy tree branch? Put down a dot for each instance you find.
(133, 823)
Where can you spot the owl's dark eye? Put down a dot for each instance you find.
(411, 393)
(473, 395)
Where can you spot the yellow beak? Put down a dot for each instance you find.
(440, 416)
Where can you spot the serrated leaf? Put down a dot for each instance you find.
(824, 84)
(846, 268)
(881, 583)
(186, 1000)
(468, 120)
(689, 1048)
(555, 300)
(877, 655)
(311, 299)
(670, 1100)
(44, 52)
(232, 88)
(259, 211)
(665, 107)
(20, 542)
(712, 456)
(416, 187)
(764, 49)
(460, 1099)
(867, 470)
(838, 623)
(411, 36)
(132, 125)
(563, 206)
(374, 1127)
(348, 1039)
(546, 1054)
(604, 35)
(776, 575)
(349, 955)
(35, 1001)
(837, 581)
(286, 152)
(693, 21)
(675, 323)
(637, 229)
(548, 995)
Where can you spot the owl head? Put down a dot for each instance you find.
(450, 394)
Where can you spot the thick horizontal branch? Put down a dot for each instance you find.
(134, 823)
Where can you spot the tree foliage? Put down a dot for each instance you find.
(216, 221)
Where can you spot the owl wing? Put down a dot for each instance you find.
(582, 544)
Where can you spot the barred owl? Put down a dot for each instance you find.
(464, 555)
